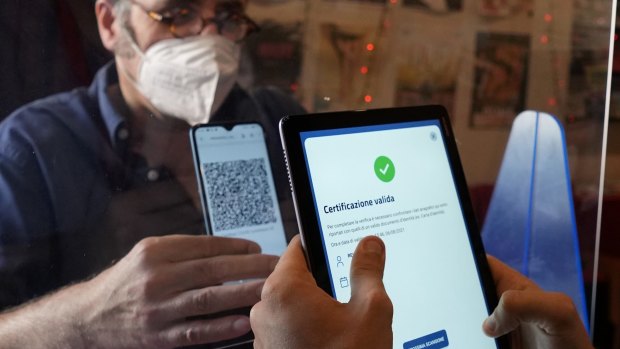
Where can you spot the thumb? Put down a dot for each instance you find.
(552, 312)
(367, 271)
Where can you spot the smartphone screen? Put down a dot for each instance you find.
(395, 181)
(236, 183)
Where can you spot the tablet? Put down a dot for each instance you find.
(394, 173)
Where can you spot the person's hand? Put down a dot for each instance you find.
(534, 318)
(153, 296)
(295, 313)
(151, 209)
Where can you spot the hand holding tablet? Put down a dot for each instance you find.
(394, 173)
(294, 313)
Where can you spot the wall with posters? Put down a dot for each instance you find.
(485, 60)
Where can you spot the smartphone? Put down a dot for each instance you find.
(236, 184)
(394, 173)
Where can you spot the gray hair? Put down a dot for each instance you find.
(123, 46)
(122, 6)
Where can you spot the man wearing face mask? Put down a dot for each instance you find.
(105, 173)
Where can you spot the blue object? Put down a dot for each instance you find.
(435, 340)
(530, 224)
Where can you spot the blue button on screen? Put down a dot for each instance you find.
(435, 340)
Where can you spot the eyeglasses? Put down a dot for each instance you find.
(185, 21)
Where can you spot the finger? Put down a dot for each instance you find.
(204, 331)
(267, 333)
(507, 278)
(258, 344)
(367, 273)
(552, 312)
(178, 248)
(205, 272)
(259, 323)
(214, 299)
(293, 259)
(367, 266)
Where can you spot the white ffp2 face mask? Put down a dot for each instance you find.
(188, 78)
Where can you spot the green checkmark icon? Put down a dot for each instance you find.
(384, 169)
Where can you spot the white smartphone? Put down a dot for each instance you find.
(236, 184)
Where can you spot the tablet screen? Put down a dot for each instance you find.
(395, 181)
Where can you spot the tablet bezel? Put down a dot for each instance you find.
(291, 128)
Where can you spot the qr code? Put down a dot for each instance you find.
(239, 193)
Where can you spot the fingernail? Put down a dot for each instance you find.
(373, 246)
(242, 325)
(254, 248)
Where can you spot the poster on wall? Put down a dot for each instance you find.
(505, 8)
(271, 2)
(435, 5)
(274, 56)
(346, 67)
(589, 56)
(360, 1)
(427, 73)
(500, 75)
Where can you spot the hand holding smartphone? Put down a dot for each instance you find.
(237, 190)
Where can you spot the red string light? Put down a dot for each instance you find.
(368, 98)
